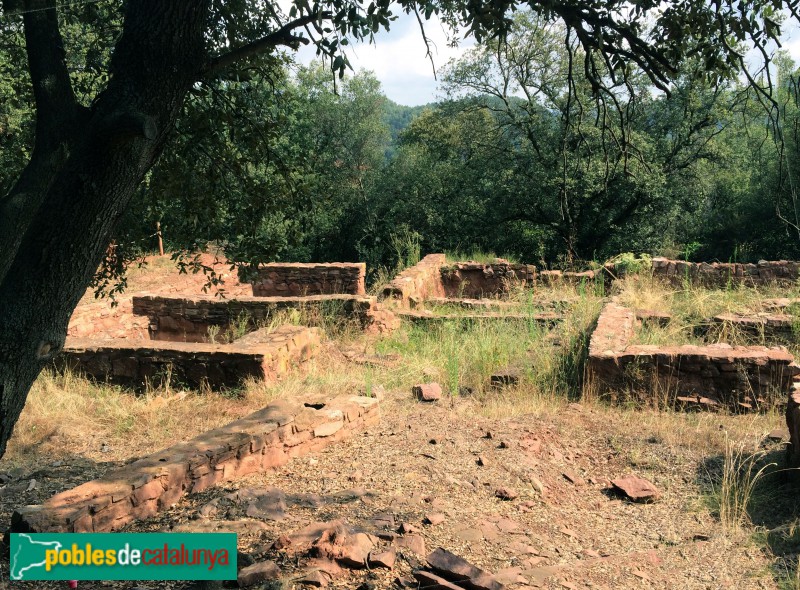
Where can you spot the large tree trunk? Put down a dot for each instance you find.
(69, 199)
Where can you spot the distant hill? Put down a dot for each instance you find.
(398, 117)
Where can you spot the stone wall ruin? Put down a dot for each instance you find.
(282, 279)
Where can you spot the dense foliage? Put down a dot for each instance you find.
(284, 162)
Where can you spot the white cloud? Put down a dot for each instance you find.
(398, 58)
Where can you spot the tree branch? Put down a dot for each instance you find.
(56, 106)
(282, 36)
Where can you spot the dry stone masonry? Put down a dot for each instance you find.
(188, 319)
(741, 378)
(262, 354)
(720, 274)
(287, 279)
(418, 282)
(263, 440)
(477, 280)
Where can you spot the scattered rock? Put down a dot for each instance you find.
(482, 461)
(257, 573)
(430, 581)
(636, 488)
(506, 493)
(434, 518)
(415, 543)
(511, 575)
(573, 478)
(383, 520)
(244, 560)
(384, 559)
(504, 444)
(315, 578)
(407, 528)
(456, 569)
(427, 392)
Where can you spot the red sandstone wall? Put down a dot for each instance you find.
(720, 275)
(183, 319)
(288, 279)
(741, 378)
(263, 440)
(418, 282)
(260, 355)
(477, 280)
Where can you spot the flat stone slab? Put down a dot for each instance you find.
(263, 354)
(263, 440)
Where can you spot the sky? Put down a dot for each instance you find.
(398, 58)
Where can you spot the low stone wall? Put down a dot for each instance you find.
(545, 319)
(476, 280)
(419, 282)
(741, 378)
(184, 319)
(285, 279)
(260, 354)
(769, 327)
(261, 441)
(720, 274)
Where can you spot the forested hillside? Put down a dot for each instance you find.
(292, 163)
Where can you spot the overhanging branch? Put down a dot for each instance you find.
(282, 36)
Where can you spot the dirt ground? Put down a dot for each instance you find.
(564, 527)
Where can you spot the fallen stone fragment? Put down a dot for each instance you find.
(506, 493)
(315, 578)
(456, 569)
(435, 518)
(573, 478)
(427, 392)
(383, 559)
(407, 528)
(415, 543)
(511, 575)
(406, 582)
(350, 550)
(429, 581)
(482, 461)
(257, 573)
(636, 488)
(504, 444)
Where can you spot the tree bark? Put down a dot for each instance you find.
(70, 205)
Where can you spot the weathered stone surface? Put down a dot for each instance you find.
(506, 493)
(279, 279)
(418, 282)
(427, 392)
(187, 319)
(477, 280)
(415, 543)
(721, 274)
(385, 559)
(263, 440)
(262, 355)
(429, 581)
(257, 573)
(718, 375)
(459, 570)
(636, 488)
